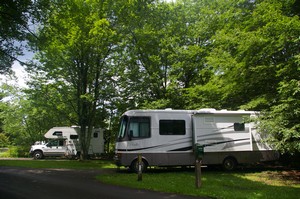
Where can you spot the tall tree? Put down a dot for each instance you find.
(161, 55)
(143, 73)
(74, 48)
(281, 121)
(22, 122)
(255, 57)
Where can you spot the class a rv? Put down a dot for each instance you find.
(64, 141)
(167, 138)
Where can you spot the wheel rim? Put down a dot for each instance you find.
(135, 166)
(229, 164)
(37, 155)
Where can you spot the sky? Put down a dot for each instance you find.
(19, 71)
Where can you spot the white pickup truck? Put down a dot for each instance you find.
(64, 141)
(53, 148)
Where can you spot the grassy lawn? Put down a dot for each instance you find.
(215, 184)
(57, 164)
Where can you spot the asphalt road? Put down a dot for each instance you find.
(20, 183)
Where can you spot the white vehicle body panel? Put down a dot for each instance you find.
(223, 134)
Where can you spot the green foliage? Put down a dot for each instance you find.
(282, 122)
(208, 95)
(4, 140)
(15, 152)
(24, 122)
(96, 59)
(247, 55)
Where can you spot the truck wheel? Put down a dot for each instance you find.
(229, 163)
(135, 166)
(38, 155)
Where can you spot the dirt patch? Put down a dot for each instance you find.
(16, 158)
(292, 176)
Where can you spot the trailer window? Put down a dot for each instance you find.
(73, 137)
(96, 135)
(239, 126)
(139, 127)
(58, 133)
(171, 127)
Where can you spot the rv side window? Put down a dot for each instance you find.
(139, 127)
(239, 126)
(57, 133)
(171, 127)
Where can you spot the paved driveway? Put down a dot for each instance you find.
(20, 183)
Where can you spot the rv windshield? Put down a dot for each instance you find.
(123, 124)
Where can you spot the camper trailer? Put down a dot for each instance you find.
(168, 138)
(64, 141)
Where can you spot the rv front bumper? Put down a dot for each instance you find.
(117, 159)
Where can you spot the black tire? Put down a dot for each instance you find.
(38, 155)
(134, 167)
(229, 164)
(78, 155)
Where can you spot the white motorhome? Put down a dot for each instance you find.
(167, 138)
(64, 141)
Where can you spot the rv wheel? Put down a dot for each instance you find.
(229, 164)
(38, 155)
(135, 166)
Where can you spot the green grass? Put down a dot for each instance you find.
(58, 164)
(215, 184)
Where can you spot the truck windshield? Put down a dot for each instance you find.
(123, 125)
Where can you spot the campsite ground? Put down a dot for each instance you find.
(23, 183)
(65, 178)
